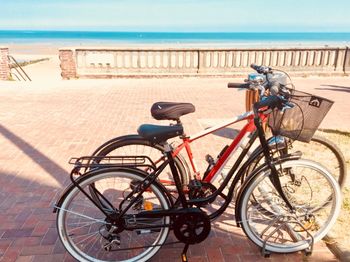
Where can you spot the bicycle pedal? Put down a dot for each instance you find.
(194, 184)
(209, 159)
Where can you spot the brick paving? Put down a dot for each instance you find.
(42, 125)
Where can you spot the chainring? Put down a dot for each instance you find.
(192, 227)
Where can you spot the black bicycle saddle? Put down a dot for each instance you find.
(171, 110)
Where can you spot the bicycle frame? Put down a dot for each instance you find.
(227, 154)
(249, 128)
(186, 204)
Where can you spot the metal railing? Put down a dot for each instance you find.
(19, 71)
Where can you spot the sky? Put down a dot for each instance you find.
(177, 15)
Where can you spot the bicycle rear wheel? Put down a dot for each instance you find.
(327, 154)
(88, 235)
(268, 222)
(135, 145)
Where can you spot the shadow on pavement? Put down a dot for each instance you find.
(335, 88)
(227, 132)
(50, 166)
(27, 221)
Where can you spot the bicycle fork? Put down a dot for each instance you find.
(275, 180)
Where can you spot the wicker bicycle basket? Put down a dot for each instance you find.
(301, 121)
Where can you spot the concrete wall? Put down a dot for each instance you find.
(119, 62)
(4, 64)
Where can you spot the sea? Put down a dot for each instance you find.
(186, 38)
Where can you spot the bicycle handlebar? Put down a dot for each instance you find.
(276, 97)
(272, 102)
(261, 69)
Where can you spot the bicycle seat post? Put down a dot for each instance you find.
(178, 122)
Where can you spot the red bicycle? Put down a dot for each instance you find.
(132, 145)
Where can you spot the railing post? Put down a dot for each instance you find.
(4, 64)
(340, 59)
(200, 60)
(346, 64)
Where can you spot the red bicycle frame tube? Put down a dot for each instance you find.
(245, 131)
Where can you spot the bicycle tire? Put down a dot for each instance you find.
(334, 161)
(341, 165)
(118, 146)
(266, 230)
(78, 217)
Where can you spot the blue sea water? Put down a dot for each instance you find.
(25, 36)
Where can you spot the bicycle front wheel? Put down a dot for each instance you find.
(88, 235)
(320, 149)
(270, 224)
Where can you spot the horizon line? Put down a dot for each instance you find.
(184, 32)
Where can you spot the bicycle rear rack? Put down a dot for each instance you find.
(91, 162)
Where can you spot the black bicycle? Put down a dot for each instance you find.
(118, 212)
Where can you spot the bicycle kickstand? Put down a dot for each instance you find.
(184, 255)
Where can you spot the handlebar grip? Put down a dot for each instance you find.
(261, 69)
(255, 67)
(237, 85)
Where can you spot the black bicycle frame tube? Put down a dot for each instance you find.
(228, 177)
(75, 183)
(154, 176)
(237, 177)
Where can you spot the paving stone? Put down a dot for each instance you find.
(12, 233)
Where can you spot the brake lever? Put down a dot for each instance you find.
(286, 107)
(262, 90)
